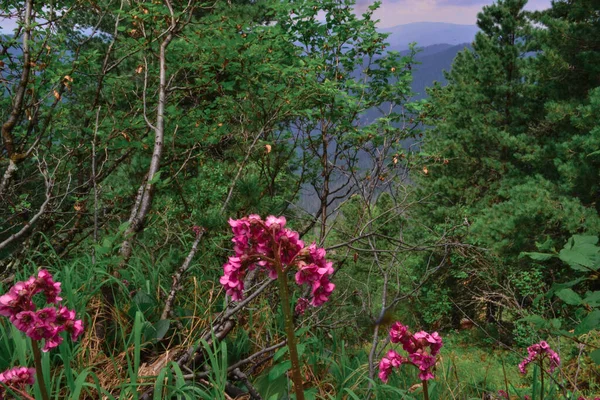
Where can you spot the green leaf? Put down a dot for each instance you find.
(556, 323)
(537, 256)
(558, 286)
(592, 321)
(123, 227)
(536, 320)
(301, 348)
(279, 353)
(162, 327)
(579, 240)
(595, 356)
(592, 299)
(569, 297)
(155, 178)
(581, 253)
(279, 369)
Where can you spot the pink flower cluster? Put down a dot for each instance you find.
(421, 347)
(269, 245)
(16, 378)
(46, 323)
(537, 352)
(301, 306)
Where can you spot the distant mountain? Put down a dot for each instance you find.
(434, 60)
(429, 33)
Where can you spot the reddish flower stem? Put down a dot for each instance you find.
(37, 359)
(289, 324)
(541, 378)
(425, 391)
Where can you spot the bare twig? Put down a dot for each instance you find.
(182, 270)
(23, 231)
(95, 185)
(254, 395)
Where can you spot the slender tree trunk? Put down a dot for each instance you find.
(17, 108)
(325, 193)
(146, 194)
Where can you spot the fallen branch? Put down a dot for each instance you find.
(254, 395)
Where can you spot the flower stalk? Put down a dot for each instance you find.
(267, 245)
(37, 360)
(540, 361)
(290, 330)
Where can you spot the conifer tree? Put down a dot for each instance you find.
(512, 152)
(480, 137)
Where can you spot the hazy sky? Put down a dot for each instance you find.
(396, 12)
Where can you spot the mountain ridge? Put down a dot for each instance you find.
(429, 33)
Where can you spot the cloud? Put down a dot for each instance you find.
(396, 12)
(7, 25)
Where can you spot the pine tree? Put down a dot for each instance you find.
(480, 138)
(568, 67)
(511, 158)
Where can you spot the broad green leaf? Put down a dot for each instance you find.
(581, 253)
(569, 297)
(536, 320)
(556, 323)
(592, 321)
(537, 256)
(579, 240)
(595, 356)
(592, 299)
(279, 353)
(279, 369)
(162, 327)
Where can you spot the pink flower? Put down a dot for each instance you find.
(398, 333)
(422, 360)
(426, 375)
(503, 394)
(24, 320)
(540, 351)
(40, 330)
(395, 358)
(52, 343)
(75, 328)
(416, 346)
(46, 323)
(51, 289)
(256, 243)
(434, 341)
(18, 298)
(321, 290)
(385, 369)
(307, 273)
(275, 222)
(301, 306)
(387, 363)
(17, 377)
(46, 315)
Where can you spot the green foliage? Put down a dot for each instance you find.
(263, 100)
(582, 254)
(509, 155)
